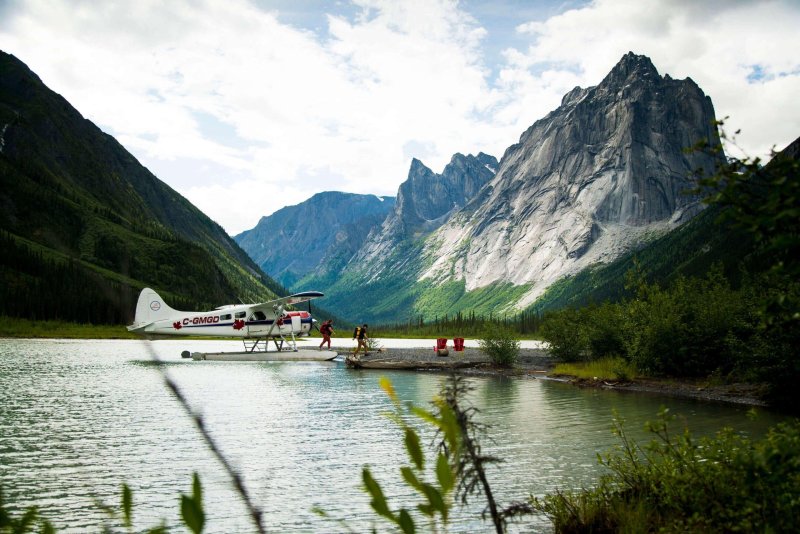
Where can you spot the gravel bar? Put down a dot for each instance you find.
(418, 358)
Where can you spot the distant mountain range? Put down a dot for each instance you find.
(85, 226)
(604, 174)
(317, 236)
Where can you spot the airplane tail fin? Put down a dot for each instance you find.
(149, 308)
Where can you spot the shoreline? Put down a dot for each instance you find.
(737, 393)
(536, 363)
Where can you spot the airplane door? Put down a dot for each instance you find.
(296, 323)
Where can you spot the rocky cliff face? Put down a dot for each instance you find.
(584, 184)
(426, 200)
(314, 236)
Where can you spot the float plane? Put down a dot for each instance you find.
(255, 324)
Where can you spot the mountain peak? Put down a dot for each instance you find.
(631, 67)
(631, 61)
(417, 167)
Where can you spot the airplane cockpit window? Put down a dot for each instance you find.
(225, 317)
(258, 316)
(240, 315)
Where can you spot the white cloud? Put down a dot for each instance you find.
(235, 204)
(345, 105)
(715, 43)
(244, 114)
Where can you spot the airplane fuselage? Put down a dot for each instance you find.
(267, 319)
(231, 322)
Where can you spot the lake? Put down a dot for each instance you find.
(78, 418)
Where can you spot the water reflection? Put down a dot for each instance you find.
(501, 390)
(80, 417)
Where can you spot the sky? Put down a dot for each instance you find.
(246, 106)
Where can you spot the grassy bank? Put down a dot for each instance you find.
(25, 328)
(602, 369)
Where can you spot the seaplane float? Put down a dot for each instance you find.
(255, 324)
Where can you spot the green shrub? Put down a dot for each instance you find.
(691, 328)
(191, 512)
(622, 370)
(695, 327)
(374, 345)
(585, 334)
(678, 484)
(565, 331)
(458, 472)
(604, 330)
(500, 343)
(435, 494)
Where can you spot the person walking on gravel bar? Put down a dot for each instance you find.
(360, 335)
(327, 331)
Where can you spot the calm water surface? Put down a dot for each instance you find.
(77, 418)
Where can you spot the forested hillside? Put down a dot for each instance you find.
(86, 225)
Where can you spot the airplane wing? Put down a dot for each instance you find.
(296, 298)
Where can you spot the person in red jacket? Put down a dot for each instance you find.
(327, 331)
